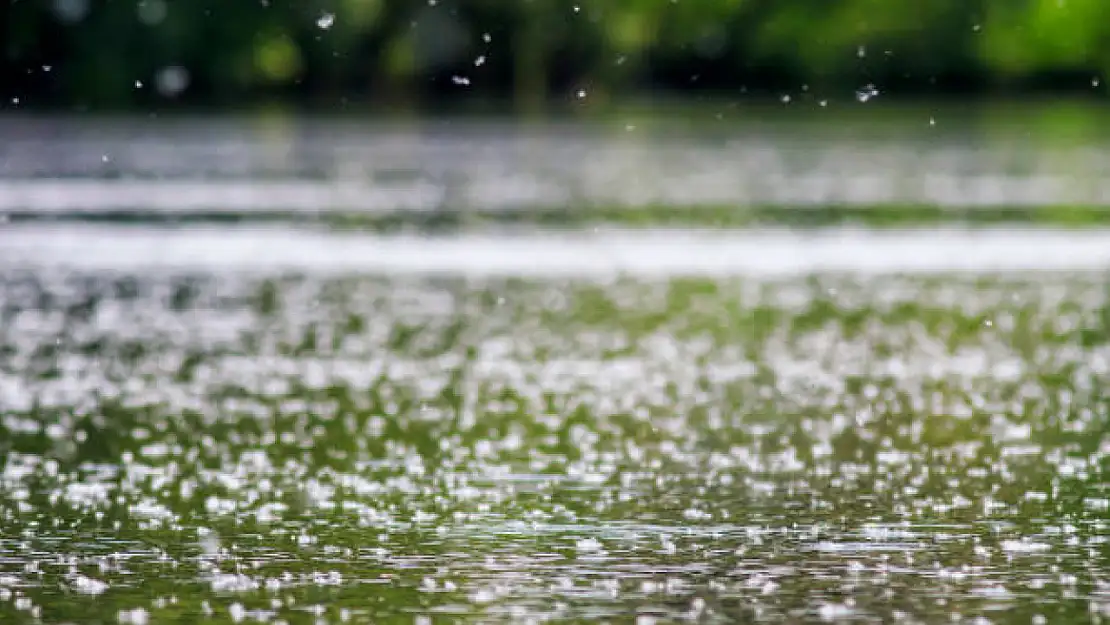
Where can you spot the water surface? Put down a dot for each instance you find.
(184, 443)
(266, 420)
(843, 155)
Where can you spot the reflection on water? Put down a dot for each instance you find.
(355, 448)
(309, 166)
(538, 253)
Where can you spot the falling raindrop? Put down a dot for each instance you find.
(480, 61)
(151, 12)
(461, 80)
(786, 99)
(486, 37)
(172, 80)
(932, 122)
(823, 103)
(1096, 81)
(581, 94)
(867, 93)
(325, 21)
(47, 68)
(138, 84)
(861, 52)
(71, 11)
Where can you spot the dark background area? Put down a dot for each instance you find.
(332, 54)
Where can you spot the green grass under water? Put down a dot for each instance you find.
(373, 448)
(650, 216)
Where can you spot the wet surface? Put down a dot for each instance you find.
(182, 444)
(538, 253)
(842, 156)
(256, 422)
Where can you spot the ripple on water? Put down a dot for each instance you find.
(347, 447)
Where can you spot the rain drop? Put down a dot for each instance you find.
(461, 80)
(325, 21)
(172, 80)
(866, 93)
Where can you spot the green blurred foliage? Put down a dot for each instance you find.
(134, 52)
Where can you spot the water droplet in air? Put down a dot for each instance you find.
(486, 38)
(866, 93)
(325, 21)
(47, 68)
(581, 94)
(461, 80)
(786, 99)
(861, 52)
(823, 103)
(152, 12)
(104, 158)
(1096, 81)
(71, 11)
(977, 28)
(577, 9)
(172, 80)
(480, 61)
(932, 122)
(138, 84)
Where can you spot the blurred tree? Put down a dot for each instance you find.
(119, 53)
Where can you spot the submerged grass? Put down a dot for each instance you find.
(454, 219)
(377, 449)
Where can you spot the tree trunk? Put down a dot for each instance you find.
(530, 57)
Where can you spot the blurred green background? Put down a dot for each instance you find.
(531, 53)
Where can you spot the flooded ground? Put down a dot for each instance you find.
(282, 423)
(317, 443)
(952, 155)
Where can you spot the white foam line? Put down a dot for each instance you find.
(649, 253)
(165, 196)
